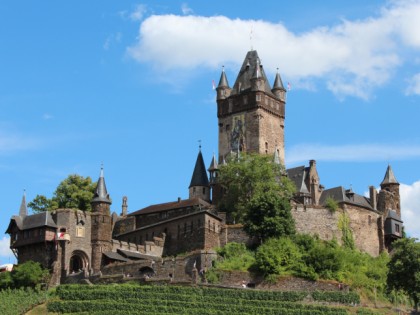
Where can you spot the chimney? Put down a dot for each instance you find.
(179, 199)
(124, 206)
(373, 196)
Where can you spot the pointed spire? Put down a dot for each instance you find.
(223, 82)
(23, 211)
(389, 177)
(199, 177)
(101, 194)
(257, 72)
(213, 165)
(278, 83)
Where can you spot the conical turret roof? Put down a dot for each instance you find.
(213, 165)
(101, 194)
(199, 177)
(223, 82)
(278, 83)
(389, 177)
(250, 66)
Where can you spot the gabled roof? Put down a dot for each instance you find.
(389, 177)
(200, 203)
(340, 194)
(33, 221)
(298, 175)
(199, 177)
(248, 70)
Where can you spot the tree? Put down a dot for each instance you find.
(75, 192)
(269, 215)
(29, 274)
(404, 268)
(244, 177)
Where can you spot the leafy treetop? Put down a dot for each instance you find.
(74, 192)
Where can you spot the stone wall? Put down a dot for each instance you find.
(316, 220)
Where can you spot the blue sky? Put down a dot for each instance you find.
(129, 84)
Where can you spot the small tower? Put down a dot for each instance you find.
(215, 187)
(101, 223)
(223, 89)
(389, 195)
(124, 207)
(278, 88)
(23, 211)
(199, 186)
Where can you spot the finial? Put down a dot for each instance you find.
(223, 68)
(250, 38)
(102, 170)
(199, 145)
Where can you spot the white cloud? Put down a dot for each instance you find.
(410, 208)
(138, 13)
(112, 39)
(352, 57)
(186, 9)
(360, 152)
(5, 251)
(413, 85)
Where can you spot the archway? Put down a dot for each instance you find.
(146, 272)
(78, 261)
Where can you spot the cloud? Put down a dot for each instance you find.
(352, 57)
(351, 153)
(15, 142)
(410, 210)
(413, 85)
(5, 251)
(138, 13)
(112, 39)
(186, 9)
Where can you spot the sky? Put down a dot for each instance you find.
(129, 84)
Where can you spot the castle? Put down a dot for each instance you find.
(251, 118)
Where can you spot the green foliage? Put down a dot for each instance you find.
(74, 192)
(404, 268)
(278, 256)
(247, 176)
(19, 301)
(127, 300)
(234, 256)
(269, 215)
(347, 234)
(29, 274)
(331, 204)
(6, 280)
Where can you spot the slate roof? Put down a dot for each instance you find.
(389, 177)
(33, 221)
(172, 205)
(213, 165)
(136, 255)
(392, 214)
(223, 80)
(298, 175)
(115, 256)
(278, 83)
(248, 69)
(101, 194)
(199, 177)
(339, 194)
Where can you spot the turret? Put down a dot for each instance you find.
(278, 88)
(215, 187)
(223, 89)
(199, 186)
(101, 234)
(389, 196)
(257, 80)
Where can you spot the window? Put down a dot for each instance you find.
(369, 220)
(204, 190)
(80, 231)
(397, 228)
(258, 98)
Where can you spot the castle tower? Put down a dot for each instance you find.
(216, 192)
(389, 195)
(101, 223)
(199, 186)
(251, 114)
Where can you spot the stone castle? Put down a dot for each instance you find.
(251, 118)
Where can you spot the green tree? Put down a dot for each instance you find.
(6, 280)
(269, 215)
(257, 193)
(74, 192)
(29, 274)
(404, 268)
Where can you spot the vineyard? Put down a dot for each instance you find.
(134, 299)
(18, 301)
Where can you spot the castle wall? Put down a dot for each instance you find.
(317, 221)
(364, 224)
(196, 231)
(324, 223)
